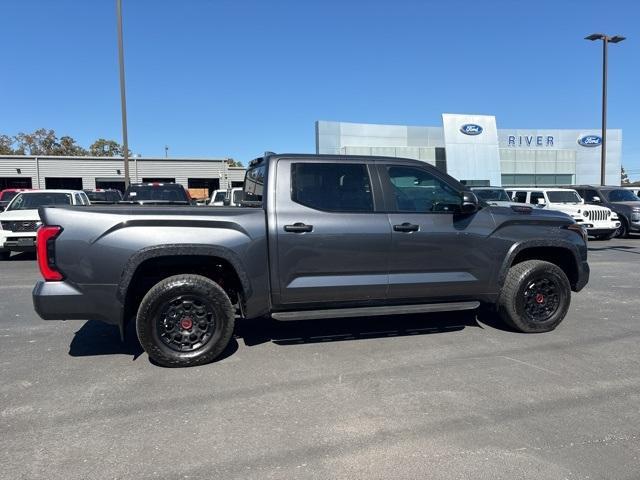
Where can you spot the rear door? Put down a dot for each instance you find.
(436, 252)
(333, 243)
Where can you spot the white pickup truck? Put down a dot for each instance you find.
(19, 222)
(599, 222)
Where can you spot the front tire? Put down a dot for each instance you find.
(623, 230)
(535, 297)
(185, 320)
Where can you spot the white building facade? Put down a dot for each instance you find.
(472, 149)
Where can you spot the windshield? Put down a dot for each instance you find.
(31, 201)
(567, 196)
(219, 197)
(492, 195)
(163, 193)
(621, 196)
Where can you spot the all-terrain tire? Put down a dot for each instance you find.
(173, 309)
(535, 297)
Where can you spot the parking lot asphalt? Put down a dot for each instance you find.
(405, 397)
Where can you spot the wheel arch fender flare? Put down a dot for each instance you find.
(520, 247)
(172, 250)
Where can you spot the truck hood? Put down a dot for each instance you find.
(632, 204)
(13, 215)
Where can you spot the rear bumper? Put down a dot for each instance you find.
(64, 301)
(583, 276)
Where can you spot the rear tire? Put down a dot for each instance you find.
(535, 297)
(185, 320)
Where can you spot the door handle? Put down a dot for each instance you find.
(298, 227)
(406, 227)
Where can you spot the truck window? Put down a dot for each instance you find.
(254, 184)
(333, 187)
(416, 190)
(535, 196)
(520, 197)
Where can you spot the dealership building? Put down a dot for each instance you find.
(78, 173)
(472, 149)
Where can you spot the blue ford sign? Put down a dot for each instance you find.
(471, 129)
(590, 141)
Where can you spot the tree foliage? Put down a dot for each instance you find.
(234, 163)
(106, 148)
(624, 178)
(6, 145)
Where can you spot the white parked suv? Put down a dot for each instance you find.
(234, 196)
(19, 222)
(599, 222)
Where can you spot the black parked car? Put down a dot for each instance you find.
(155, 193)
(618, 199)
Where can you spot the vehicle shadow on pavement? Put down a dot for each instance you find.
(96, 338)
(258, 331)
(620, 248)
(22, 256)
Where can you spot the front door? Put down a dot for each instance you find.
(332, 247)
(436, 251)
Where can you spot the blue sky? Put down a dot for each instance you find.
(238, 77)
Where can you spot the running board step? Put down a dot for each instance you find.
(374, 311)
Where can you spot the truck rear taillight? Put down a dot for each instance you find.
(46, 252)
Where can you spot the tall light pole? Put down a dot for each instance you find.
(123, 97)
(606, 39)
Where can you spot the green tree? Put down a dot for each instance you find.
(6, 145)
(235, 163)
(67, 146)
(40, 142)
(106, 148)
(624, 178)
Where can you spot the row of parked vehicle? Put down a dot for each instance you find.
(604, 212)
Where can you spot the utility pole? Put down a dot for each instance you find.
(606, 39)
(123, 97)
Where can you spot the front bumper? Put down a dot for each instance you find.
(593, 232)
(18, 241)
(64, 301)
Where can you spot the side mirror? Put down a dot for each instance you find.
(541, 201)
(226, 202)
(470, 202)
(596, 199)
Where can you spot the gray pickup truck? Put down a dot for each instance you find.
(316, 237)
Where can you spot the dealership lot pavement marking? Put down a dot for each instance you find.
(440, 396)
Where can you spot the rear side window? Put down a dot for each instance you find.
(254, 184)
(535, 196)
(332, 187)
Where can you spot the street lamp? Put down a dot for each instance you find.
(123, 98)
(606, 39)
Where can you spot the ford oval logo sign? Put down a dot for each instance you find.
(590, 141)
(471, 129)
